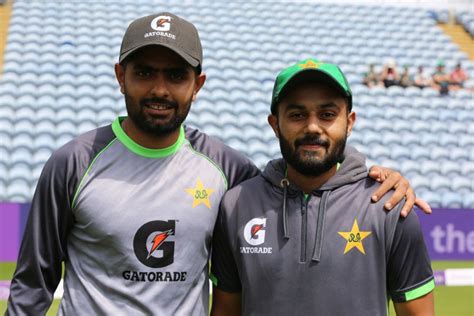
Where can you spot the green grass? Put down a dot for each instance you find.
(453, 300)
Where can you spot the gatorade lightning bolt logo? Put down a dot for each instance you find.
(255, 230)
(161, 23)
(254, 234)
(158, 240)
(152, 245)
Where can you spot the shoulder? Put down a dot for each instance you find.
(235, 165)
(364, 188)
(82, 149)
(252, 191)
(211, 146)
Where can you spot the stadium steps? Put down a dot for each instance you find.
(5, 12)
(460, 37)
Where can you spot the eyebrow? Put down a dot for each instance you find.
(329, 105)
(183, 69)
(296, 106)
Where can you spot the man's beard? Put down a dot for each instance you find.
(307, 163)
(152, 125)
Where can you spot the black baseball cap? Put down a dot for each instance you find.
(163, 29)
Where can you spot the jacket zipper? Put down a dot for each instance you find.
(304, 219)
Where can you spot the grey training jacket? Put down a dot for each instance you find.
(333, 252)
(133, 225)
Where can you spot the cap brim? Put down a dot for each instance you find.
(190, 60)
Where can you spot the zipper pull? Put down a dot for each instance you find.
(304, 204)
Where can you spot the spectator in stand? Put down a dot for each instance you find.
(421, 80)
(371, 78)
(390, 76)
(441, 79)
(406, 80)
(458, 77)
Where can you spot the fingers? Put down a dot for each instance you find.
(378, 174)
(401, 190)
(393, 181)
(424, 206)
(410, 202)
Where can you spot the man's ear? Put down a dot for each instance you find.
(200, 79)
(120, 75)
(273, 121)
(351, 118)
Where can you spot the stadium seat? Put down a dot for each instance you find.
(440, 184)
(420, 183)
(452, 199)
(18, 190)
(58, 78)
(468, 201)
(462, 184)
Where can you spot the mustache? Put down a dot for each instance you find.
(145, 102)
(311, 140)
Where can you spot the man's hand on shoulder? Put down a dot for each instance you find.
(392, 179)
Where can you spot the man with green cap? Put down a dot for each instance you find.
(303, 237)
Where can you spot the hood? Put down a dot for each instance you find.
(352, 169)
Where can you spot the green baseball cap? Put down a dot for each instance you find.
(305, 70)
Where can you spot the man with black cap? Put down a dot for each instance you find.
(303, 238)
(130, 208)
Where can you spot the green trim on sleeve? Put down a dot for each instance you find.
(213, 279)
(73, 203)
(143, 151)
(420, 291)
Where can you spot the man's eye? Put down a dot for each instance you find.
(296, 115)
(328, 115)
(143, 73)
(177, 76)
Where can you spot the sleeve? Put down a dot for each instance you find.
(409, 273)
(224, 272)
(43, 247)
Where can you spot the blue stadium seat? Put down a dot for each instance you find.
(429, 168)
(459, 154)
(439, 153)
(43, 140)
(420, 183)
(468, 201)
(452, 199)
(467, 167)
(440, 184)
(462, 184)
(63, 139)
(59, 64)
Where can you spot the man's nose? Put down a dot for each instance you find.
(160, 87)
(312, 125)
